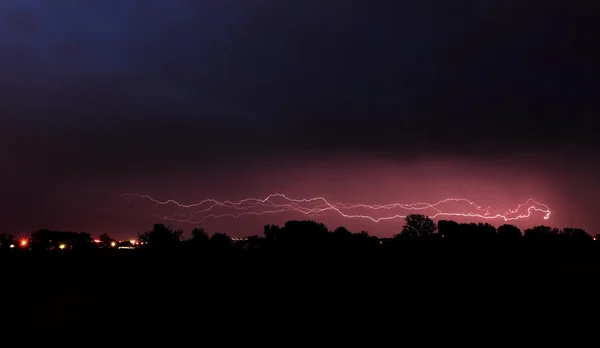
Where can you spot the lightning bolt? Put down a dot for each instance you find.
(317, 206)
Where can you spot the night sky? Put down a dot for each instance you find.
(357, 101)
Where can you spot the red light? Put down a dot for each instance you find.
(23, 242)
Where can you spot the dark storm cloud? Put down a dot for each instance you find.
(118, 86)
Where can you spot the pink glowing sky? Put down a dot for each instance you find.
(370, 102)
(96, 206)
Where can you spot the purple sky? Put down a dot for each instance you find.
(393, 101)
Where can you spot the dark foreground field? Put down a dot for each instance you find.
(133, 298)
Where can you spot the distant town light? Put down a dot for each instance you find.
(23, 242)
(12, 246)
(132, 241)
(113, 244)
(62, 246)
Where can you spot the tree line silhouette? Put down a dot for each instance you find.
(299, 266)
(301, 234)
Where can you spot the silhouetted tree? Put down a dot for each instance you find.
(508, 232)
(199, 234)
(342, 232)
(43, 239)
(105, 240)
(255, 242)
(6, 240)
(271, 232)
(49, 240)
(576, 235)
(160, 237)
(487, 230)
(221, 241)
(303, 233)
(343, 238)
(363, 239)
(545, 233)
(81, 240)
(468, 230)
(472, 231)
(299, 235)
(362, 235)
(200, 238)
(449, 229)
(372, 241)
(418, 225)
